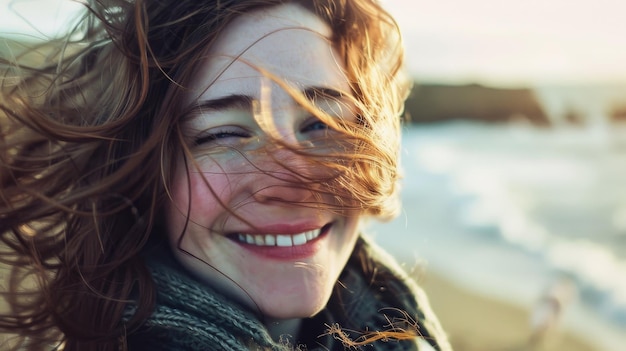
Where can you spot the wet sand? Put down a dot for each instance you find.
(478, 323)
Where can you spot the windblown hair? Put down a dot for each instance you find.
(90, 133)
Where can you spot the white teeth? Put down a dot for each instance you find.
(299, 239)
(282, 240)
(258, 239)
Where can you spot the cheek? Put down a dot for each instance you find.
(199, 195)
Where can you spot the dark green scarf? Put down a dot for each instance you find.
(373, 295)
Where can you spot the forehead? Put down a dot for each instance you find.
(244, 30)
(288, 41)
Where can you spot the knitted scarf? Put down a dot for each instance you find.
(189, 316)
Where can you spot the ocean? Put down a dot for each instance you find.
(511, 211)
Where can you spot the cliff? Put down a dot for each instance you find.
(437, 102)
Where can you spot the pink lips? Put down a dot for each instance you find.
(284, 247)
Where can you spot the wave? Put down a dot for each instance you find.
(553, 194)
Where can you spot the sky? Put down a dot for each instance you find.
(509, 42)
(501, 42)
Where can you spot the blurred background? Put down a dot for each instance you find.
(514, 215)
(514, 211)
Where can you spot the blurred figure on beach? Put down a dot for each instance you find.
(547, 314)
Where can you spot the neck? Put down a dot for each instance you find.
(283, 328)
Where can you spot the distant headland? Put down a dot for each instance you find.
(538, 106)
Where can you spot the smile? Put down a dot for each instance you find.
(281, 240)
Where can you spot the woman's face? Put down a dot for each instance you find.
(281, 257)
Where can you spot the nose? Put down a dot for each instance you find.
(284, 172)
(284, 175)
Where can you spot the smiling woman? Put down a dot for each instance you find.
(207, 193)
(266, 187)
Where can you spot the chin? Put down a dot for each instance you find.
(295, 306)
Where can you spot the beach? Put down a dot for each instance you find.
(497, 220)
(477, 322)
(478, 317)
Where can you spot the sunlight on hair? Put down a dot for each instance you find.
(398, 328)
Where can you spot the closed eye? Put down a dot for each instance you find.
(219, 135)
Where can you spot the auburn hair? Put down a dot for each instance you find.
(89, 134)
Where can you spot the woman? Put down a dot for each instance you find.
(194, 178)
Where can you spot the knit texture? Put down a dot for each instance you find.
(373, 294)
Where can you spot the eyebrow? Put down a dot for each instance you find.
(315, 92)
(245, 102)
(234, 101)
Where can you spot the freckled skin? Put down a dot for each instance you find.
(281, 289)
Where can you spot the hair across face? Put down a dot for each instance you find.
(109, 134)
(249, 211)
